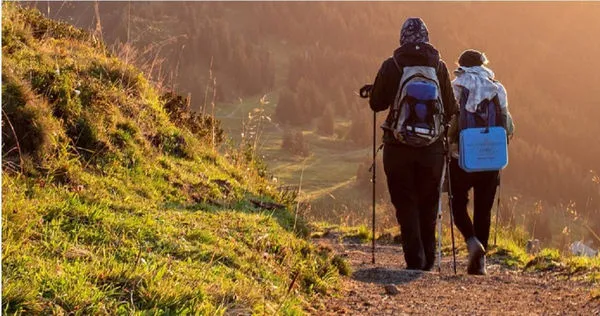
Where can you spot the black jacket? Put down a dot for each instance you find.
(388, 78)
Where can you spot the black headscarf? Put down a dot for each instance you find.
(414, 30)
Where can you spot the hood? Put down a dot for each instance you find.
(414, 30)
(481, 71)
(414, 54)
(479, 81)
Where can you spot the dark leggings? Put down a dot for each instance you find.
(413, 178)
(484, 190)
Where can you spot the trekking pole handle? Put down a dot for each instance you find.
(365, 91)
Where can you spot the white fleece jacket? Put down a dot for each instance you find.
(479, 81)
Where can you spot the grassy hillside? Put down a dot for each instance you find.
(115, 202)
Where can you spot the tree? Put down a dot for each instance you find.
(326, 123)
(285, 110)
(300, 144)
(359, 131)
(295, 143)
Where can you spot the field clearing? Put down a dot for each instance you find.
(332, 162)
(327, 175)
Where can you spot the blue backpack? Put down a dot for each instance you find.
(487, 114)
(417, 112)
(482, 136)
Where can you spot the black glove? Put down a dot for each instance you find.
(365, 91)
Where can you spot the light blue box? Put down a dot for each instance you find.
(483, 149)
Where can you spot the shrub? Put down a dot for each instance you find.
(180, 114)
(172, 142)
(326, 123)
(295, 143)
(26, 121)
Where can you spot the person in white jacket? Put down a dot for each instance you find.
(478, 80)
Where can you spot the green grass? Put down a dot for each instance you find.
(510, 248)
(330, 164)
(115, 245)
(510, 251)
(595, 293)
(112, 208)
(360, 233)
(577, 263)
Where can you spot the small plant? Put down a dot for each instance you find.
(180, 113)
(362, 233)
(252, 128)
(288, 194)
(546, 259)
(342, 265)
(574, 222)
(172, 142)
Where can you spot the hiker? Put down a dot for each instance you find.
(475, 85)
(413, 154)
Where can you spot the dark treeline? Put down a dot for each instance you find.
(184, 45)
(317, 55)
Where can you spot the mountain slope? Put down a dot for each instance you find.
(115, 200)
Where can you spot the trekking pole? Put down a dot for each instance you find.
(498, 206)
(365, 92)
(439, 218)
(448, 161)
(374, 176)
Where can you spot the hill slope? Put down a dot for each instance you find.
(116, 201)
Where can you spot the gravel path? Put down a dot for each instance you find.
(387, 289)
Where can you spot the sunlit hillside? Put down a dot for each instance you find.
(115, 200)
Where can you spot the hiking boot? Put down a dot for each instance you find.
(482, 270)
(476, 257)
(428, 267)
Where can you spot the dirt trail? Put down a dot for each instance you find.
(503, 291)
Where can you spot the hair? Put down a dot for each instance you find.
(472, 58)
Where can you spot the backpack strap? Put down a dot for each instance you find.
(498, 109)
(397, 64)
(446, 116)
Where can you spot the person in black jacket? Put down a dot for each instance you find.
(413, 173)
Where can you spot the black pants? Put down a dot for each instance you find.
(413, 178)
(484, 190)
